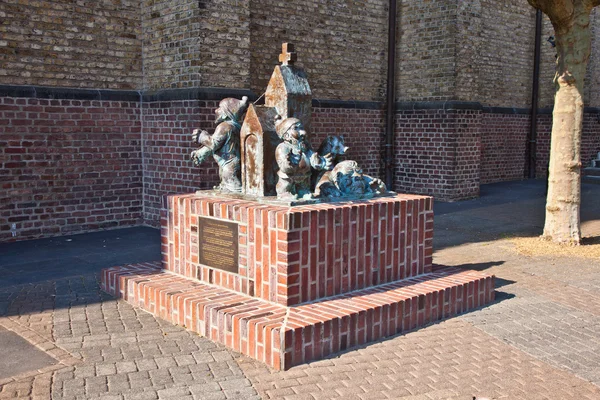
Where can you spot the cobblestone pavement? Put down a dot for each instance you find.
(539, 340)
(119, 352)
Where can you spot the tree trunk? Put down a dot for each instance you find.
(573, 41)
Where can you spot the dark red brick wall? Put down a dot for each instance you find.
(167, 144)
(590, 141)
(71, 166)
(68, 166)
(168, 126)
(503, 146)
(437, 152)
(362, 129)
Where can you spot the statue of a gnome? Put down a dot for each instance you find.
(223, 144)
(346, 179)
(296, 160)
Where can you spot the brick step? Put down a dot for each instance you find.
(591, 171)
(283, 336)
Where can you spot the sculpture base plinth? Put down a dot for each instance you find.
(289, 285)
(282, 336)
(292, 255)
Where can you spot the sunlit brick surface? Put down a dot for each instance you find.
(290, 255)
(282, 336)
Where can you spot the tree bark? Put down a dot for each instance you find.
(571, 19)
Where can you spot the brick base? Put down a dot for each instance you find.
(283, 337)
(291, 255)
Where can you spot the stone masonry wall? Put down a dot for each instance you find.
(196, 43)
(447, 50)
(68, 166)
(426, 50)
(87, 44)
(592, 79)
(341, 45)
(495, 60)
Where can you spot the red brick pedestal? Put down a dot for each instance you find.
(312, 280)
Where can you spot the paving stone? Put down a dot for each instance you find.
(141, 396)
(541, 339)
(210, 396)
(174, 392)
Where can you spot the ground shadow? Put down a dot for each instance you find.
(499, 297)
(472, 266)
(36, 261)
(589, 241)
(507, 209)
(499, 282)
(38, 275)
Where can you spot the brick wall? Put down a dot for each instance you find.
(503, 146)
(341, 44)
(68, 166)
(196, 43)
(437, 152)
(495, 60)
(446, 49)
(88, 44)
(300, 254)
(426, 50)
(167, 145)
(592, 79)
(362, 130)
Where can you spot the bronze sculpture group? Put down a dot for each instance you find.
(248, 166)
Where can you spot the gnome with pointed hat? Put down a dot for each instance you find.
(296, 160)
(223, 144)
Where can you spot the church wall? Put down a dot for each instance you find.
(437, 150)
(449, 51)
(592, 79)
(86, 44)
(167, 144)
(425, 50)
(69, 166)
(362, 130)
(340, 44)
(196, 43)
(503, 146)
(495, 60)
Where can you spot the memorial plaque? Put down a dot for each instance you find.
(218, 241)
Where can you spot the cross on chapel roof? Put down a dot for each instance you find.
(288, 55)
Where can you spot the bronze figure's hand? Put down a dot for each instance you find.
(328, 162)
(195, 135)
(294, 158)
(200, 155)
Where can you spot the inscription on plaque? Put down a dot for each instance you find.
(218, 241)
